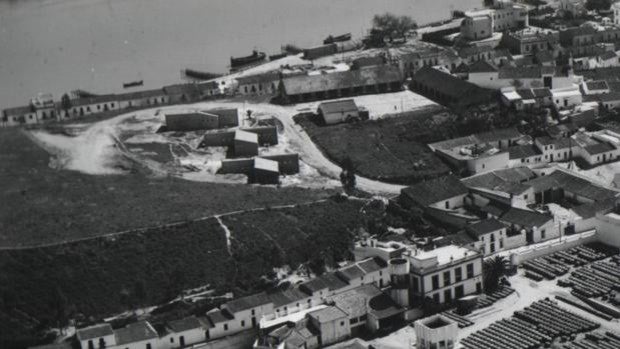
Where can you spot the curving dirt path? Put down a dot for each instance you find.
(96, 147)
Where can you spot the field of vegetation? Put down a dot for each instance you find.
(107, 275)
(94, 278)
(391, 149)
(41, 205)
(319, 234)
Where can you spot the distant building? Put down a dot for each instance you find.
(89, 105)
(96, 336)
(335, 112)
(258, 84)
(191, 121)
(266, 171)
(534, 76)
(478, 152)
(536, 226)
(332, 323)
(531, 40)
(325, 85)
(575, 7)
(489, 235)
(480, 24)
(447, 89)
(184, 332)
(436, 332)
(245, 143)
(615, 7)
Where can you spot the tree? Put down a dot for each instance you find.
(347, 176)
(389, 26)
(598, 5)
(493, 270)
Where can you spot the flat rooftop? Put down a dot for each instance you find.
(445, 254)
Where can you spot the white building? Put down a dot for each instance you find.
(615, 7)
(436, 332)
(480, 24)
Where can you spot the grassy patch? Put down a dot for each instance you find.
(321, 233)
(392, 149)
(41, 205)
(100, 276)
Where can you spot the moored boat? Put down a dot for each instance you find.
(198, 74)
(331, 39)
(255, 57)
(133, 83)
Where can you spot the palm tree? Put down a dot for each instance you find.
(493, 270)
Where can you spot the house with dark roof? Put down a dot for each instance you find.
(96, 336)
(445, 192)
(137, 335)
(596, 148)
(185, 332)
(535, 226)
(448, 89)
(489, 234)
(19, 116)
(503, 186)
(427, 56)
(368, 308)
(258, 84)
(145, 98)
(332, 324)
(329, 85)
(594, 87)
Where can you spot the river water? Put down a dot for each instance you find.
(60, 45)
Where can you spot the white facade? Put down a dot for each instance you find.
(436, 332)
(566, 98)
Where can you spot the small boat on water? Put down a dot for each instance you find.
(254, 58)
(331, 39)
(201, 75)
(133, 83)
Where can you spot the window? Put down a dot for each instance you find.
(542, 234)
(225, 327)
(458, 291)
(242, 323)
(447, 204)
(171, 339)
(447, 296)
(414, 280)
(457, 274)
(470, 270)
(478, 287)
(446, 278)
(436, 297)
(525, 197)
(341, 323)
(435, 282)
(253, 312)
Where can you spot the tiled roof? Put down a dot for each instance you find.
(523, 151)
(17, 111)
(598, 148)
(216, 316)
(248, 302)
(326, 281)
(136, 332)
(141, 94)
(94, 100)
(608, 55)
(372, 264)
(328, 314)
(95, 331)
(597, 85)
(435, 190)
(485, 227)
(300, 84)
(482, 67)
(448, 84)
(525, 218)
(351, 272)
(185, 324)
(526, 93)
(571, 183)
(541, 92)
(284, 297)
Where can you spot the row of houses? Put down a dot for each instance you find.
(44, 109)
(386, 285)
(500, 149)
(500, 210)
